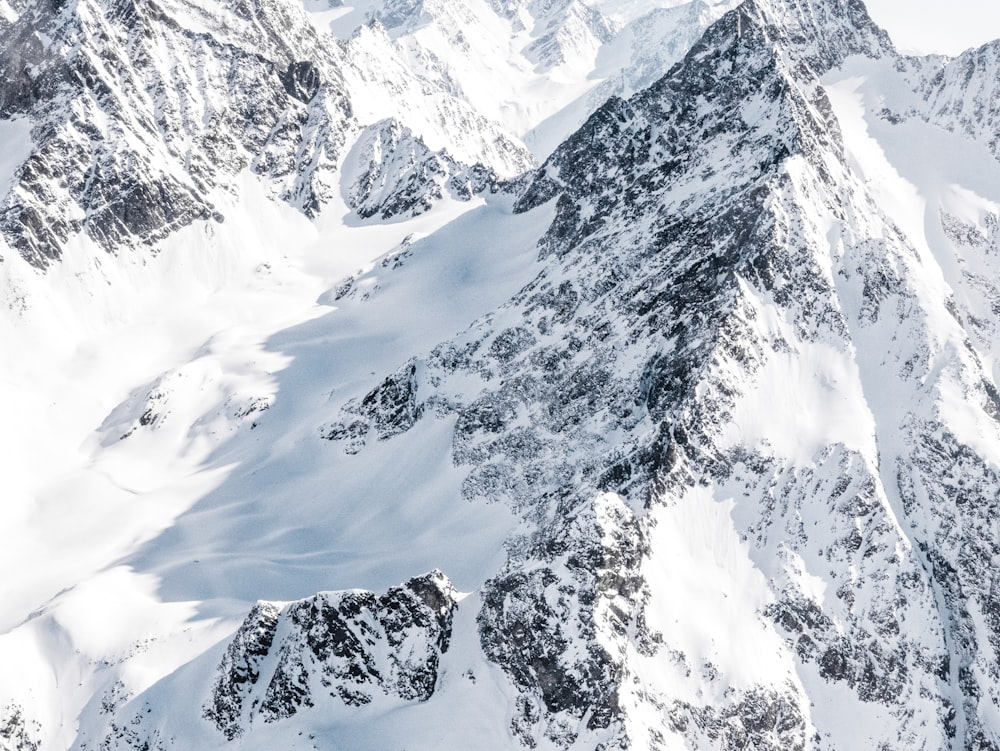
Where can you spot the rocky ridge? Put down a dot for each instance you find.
(723, 221)
(144, 116)
(959, 94)
(345, 646)
(140, 113)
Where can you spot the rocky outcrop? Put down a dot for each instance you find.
(144, 116)
(141, 111)
(390, 173)
(554, 626)
(959, 94)
(17, 733)
(350, 648)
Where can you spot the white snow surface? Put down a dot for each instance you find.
(129, 550)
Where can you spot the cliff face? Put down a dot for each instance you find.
(142, 111)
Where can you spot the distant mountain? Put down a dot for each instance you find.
(141, 114)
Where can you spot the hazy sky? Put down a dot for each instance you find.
(948, 26)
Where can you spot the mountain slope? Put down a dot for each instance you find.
(144, 116)
(140, 112)
(539, 68)
(700, 417)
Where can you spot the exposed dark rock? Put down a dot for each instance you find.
(358, 645)
(17, 733)
(241, 667)
(763, 719)
(301, 80)
(541, 627)
(676, 222)
(124, 150)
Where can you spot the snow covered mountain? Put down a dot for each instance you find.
(687, 437)
(143, 114)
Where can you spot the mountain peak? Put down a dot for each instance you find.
(820, 33)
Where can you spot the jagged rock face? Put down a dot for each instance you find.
(142, 110)
(143, 113)
(340, 647)
(390, 408)
(750, 41)
(557, 626)
(17, 733)
(687, 263)
(821, 35)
